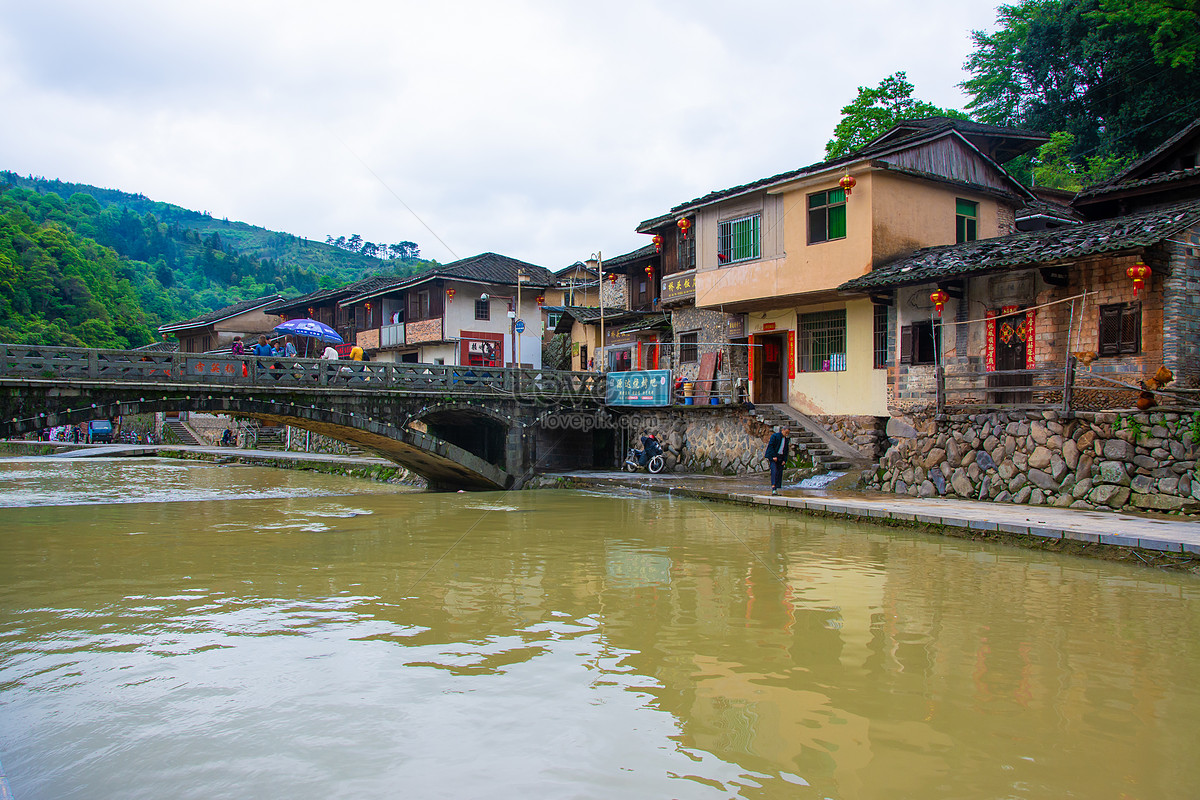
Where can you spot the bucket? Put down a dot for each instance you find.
(689, 390)
(714, 401)
(688, 401)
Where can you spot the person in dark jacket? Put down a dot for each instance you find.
(777, 455)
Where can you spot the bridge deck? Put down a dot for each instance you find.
(34, 363)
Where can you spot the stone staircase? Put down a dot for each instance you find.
(833, 456)
(270, 438)
(180, 431)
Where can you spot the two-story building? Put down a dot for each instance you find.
(770, 255)
(322, 306)
(215, 330)
(485, 311)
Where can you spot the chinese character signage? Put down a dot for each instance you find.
(678, 287)
(650, 387)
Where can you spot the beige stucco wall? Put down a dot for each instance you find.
(860, 389)
(908, 214)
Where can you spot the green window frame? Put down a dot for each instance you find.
(738, 239)
(826, 216)
(966, 220)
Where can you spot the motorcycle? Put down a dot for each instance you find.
(656, 462)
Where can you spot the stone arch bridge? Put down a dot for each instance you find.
(458, 427)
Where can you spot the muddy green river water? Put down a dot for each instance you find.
(172, 630)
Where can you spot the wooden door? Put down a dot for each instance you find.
(1012, 347)
(770, 365)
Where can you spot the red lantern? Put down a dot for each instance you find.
(310, 312)
(649, 271)
(684, 224)
(450, 295)
(848, 183)
(541, 299)
(612, 277)
(658, 240)
(1139, 272)
(939, 299)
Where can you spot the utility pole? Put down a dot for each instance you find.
(596, 262)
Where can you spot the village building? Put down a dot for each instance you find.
(483, 311)
(215, 330)
(322, 306)
(753, 272)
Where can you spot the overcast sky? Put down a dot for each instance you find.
(541, 130)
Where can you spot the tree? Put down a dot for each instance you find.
(1117, 76)
(877, 109)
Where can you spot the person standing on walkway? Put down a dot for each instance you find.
(777, 455)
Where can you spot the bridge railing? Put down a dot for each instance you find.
(35, 362)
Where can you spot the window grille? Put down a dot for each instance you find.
(688, 348)
(686, 251)
(826, 216)
(822, 346)
(966, 221)
(483, 309)
(881, 337)
(738, 239)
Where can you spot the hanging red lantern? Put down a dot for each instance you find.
(612, 277)
(1139, 272)
(939, 299)
(310, 312)
(541, 300)
(848, 183)
(649, 271)
(450, 294)
(684, 224)
(658, 240)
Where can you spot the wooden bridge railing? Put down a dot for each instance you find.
(31, 362)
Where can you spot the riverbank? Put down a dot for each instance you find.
(1152, 540)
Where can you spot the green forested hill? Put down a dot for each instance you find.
(86, 266)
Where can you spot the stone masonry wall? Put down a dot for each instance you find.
(1089, 460)
(865, 434)
(716, 440)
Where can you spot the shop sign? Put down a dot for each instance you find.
(651, 387)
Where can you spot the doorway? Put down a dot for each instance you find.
(1012, 349)
(770, 367)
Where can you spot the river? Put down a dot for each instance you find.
(186, 630)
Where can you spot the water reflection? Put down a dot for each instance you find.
(551, 644)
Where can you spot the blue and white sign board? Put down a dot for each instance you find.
(649, 387)
(519, 326)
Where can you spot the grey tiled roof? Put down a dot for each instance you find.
(336, 293)
(221, 313)
(484, 268)
(904, 134)
(169, 346)
(1026, 249)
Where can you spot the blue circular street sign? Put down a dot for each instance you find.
(519, 326)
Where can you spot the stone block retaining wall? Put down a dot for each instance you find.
(716, 440)
(1135, 460)
(864, 433)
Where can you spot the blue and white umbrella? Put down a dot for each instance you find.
(309, 327)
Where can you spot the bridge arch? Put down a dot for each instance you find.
(443, 463)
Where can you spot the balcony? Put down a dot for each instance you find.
(425, 330)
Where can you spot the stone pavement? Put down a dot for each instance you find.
(1148, 531)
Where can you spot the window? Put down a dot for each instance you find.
(688, 348)
(552, 319)
(822, 345)
(737, 239)
(423, 304)
(1120, 329)
(880, 332)
(826, 216)
(483, 309)
(685, 249)
(920, 342)
(966, 221)
(620, 360)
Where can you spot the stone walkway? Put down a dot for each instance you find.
(1147, 531)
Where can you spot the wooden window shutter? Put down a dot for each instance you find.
(414, 306)
(906, 344)
(1110, 330)
(1131, 329)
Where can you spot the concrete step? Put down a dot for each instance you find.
(180, 432)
